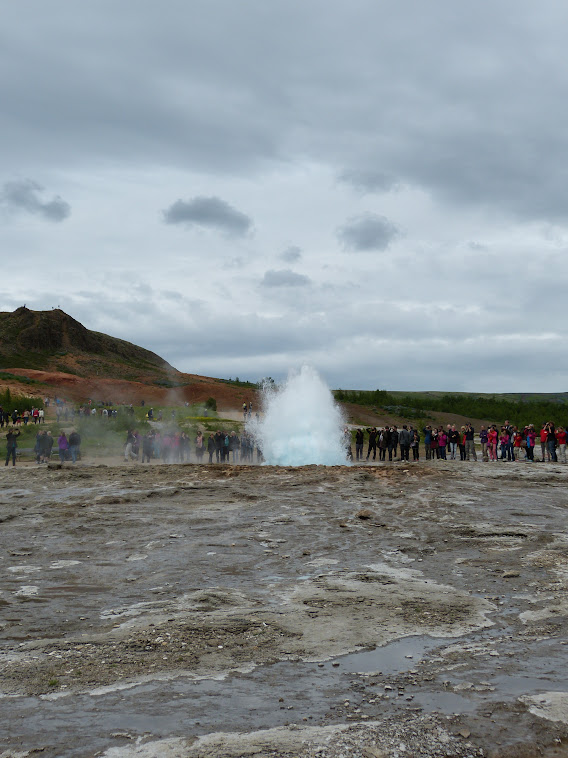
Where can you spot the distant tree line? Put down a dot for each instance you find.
(494, 408)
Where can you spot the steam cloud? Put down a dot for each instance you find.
(302, 424)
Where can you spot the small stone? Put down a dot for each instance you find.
(511, 574)
(364, 514)
(373, 752)
(465, 733)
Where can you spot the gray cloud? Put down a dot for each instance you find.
(367, 232)
(284, 278)
(25, 195)
(209, 212)
(452, 116)
(458, 123)
(292, 254)
(367, 180)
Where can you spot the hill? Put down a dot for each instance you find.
(49, 352)
(54, 341)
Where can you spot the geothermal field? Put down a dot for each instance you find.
(366, 611)
(329, 611)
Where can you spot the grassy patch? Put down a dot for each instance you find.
(7, 376)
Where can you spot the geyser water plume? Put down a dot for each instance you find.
(302, 423)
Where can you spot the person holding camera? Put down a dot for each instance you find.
(12, 445)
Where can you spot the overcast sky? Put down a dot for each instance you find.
(379, 189)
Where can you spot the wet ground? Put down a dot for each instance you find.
(229, 610)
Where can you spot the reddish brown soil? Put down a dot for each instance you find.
(196, 389)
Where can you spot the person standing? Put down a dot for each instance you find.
(372, 442)
(37, 447)
(543, 448)
(393, 442)
(434, 444)
(442, 443)
(211, 446)
(561, 440)
(74, 445)
(530, 437)
(147, 447)
(49, 447)
(44, 449)
(551, 441)
(427, 431)
(492, 437)
(199, 446)
(384, 437)
(470, 442)
(453, 441)
(504, 440)
(12, 445)
(234, 446)
(359, 442)
(63, 445)
(517, 443)
(415, 446)
(404, 442)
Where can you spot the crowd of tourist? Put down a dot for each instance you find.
(177, 447)
(506, 443)
(35, 416)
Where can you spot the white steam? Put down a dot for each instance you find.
(302, 423)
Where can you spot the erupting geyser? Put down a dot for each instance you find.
(302, 423)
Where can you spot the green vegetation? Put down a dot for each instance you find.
(238, 383)
(534, 409)
(169, 384)
(7, 376)
(21, 403)
(250, 385)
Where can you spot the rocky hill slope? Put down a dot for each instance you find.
(54, 341)
(61, 356)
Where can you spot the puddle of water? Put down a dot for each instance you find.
(186, 706)
(445, 702)
(396, 657)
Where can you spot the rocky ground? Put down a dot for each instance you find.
(368, 611)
